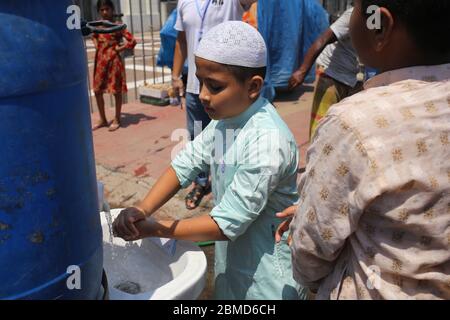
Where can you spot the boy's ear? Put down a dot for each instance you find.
(382, 35)
(255, 86)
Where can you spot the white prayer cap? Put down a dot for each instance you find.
(234, 43)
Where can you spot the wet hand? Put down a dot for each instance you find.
(124, 226)
(287, 214)
(296, 80)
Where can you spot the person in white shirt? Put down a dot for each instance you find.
(338, 69)
(196, 18)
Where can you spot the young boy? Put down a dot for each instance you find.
(253, 159)
(194, 19)
(374, 220)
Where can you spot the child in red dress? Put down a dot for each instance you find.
(109, 71)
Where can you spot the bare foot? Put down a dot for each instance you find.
(100, 124)
(115, 125)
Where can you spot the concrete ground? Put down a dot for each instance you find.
(131, 159)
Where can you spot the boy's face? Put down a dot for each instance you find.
(221, 94)
(106, 12)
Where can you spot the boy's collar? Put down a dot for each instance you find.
(244, 116)
(421, 73)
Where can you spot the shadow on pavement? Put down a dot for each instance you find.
(284, 95)
(129, 119)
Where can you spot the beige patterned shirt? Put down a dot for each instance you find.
(374, 216)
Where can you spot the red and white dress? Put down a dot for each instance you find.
(109, 71)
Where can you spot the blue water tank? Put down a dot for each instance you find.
(50, 232)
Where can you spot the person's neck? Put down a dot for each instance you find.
(408, 61)
(437, 59)
(249, 104)
(410, 55)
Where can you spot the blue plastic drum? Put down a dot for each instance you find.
(50, 232)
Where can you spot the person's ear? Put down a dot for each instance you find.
(383, 34)
(255, 86)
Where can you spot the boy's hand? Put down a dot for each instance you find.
(124, 225)
(287, 214)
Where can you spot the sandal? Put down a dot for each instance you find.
(100, 125)
(196, 196)
(114, 126)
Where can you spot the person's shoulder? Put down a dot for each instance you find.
(344, 19)
(371, 112)
(268, 119)
(183, 3)
(341, 26)
(265, 116)
(181, 7)
(356, 107)
(347, 15)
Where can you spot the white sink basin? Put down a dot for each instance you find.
(150, 270)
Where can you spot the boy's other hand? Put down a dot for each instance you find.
(287, 214)
(124, 225)
(296, 80)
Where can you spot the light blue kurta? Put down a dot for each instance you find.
(252, 179)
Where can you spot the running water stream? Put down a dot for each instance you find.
(109, 219)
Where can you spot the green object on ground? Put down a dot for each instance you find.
(205, 243)
(155, 101)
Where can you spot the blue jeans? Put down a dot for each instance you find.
(197, 121)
